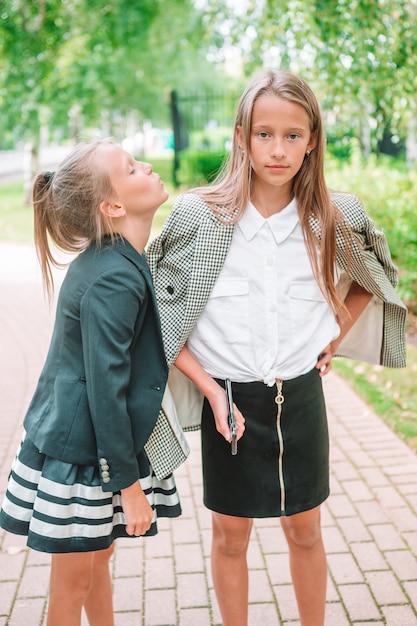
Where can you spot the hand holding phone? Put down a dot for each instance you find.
(232, 423)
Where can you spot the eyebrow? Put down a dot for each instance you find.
(290, 129)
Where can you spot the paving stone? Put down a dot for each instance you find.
(386, 536)
(263, 613)
(359, 602)
(160, 608)
(385, 588)
(400, 616)
(344, 569)
(368, 556)
(402, 563)
(260, 589)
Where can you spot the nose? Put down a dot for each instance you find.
(277, 148)
(147, 167)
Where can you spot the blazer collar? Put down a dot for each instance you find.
(123, 247)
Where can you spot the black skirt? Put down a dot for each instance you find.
(282, 463)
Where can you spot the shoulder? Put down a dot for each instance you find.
(191, 207)
(111, 268)
(350, 205)
(188, 215)
(352, 209)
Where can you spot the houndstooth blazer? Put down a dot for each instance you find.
(186, 258)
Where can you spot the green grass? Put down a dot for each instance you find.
(16, 217)
(392, 393)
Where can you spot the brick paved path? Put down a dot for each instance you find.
(370, 520)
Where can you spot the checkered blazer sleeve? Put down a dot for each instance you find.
(371, 266)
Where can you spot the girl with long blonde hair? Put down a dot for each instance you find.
(261, 278)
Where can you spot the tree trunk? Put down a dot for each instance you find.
(30, 168)
(411, 142)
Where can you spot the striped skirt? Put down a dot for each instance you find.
(61, 507)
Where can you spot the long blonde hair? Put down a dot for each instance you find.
(66, 207)
(231, 190)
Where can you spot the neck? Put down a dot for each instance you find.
(267, 208)
(272, 200)
(136, 231)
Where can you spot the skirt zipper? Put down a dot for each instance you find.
(279, 399)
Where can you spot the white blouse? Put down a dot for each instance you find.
(266, 317)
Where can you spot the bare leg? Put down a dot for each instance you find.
(70, 584)
(229, 567)
(307, 564)
(99, 602)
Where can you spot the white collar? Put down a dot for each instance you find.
(281, 224)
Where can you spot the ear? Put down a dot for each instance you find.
(239, 137)
(313, 142)
(112, 209)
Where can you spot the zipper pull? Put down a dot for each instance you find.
(279, 398)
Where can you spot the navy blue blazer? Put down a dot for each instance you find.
(101, 387)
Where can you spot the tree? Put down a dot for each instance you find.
(73, 65)
(360, 56)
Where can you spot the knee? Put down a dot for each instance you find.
(303, 536)
(232, 537)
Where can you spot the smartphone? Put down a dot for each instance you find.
(232, 423)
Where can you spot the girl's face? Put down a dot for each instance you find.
(279, 139)
(137, 188)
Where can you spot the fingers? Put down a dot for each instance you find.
(240, 422)
(325, 369)
(137, 510)
(136, 529)
(324, 362)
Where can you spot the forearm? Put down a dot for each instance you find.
(356, 301)
(189, 366)
(214, 393)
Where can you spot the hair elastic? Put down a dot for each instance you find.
(48, 176)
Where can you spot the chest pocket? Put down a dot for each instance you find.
(226, 312)
(307, 304)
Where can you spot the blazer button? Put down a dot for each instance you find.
(106, 479)
(102, 461)
(105, 474)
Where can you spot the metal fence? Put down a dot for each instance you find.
(203, 125)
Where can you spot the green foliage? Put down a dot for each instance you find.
(360, 57)
(387, 189)
(391, 392)
(79, 67)
(198, 167)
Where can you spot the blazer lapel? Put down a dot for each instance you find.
(129, 252)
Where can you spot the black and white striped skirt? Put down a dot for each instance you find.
(61, 507)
